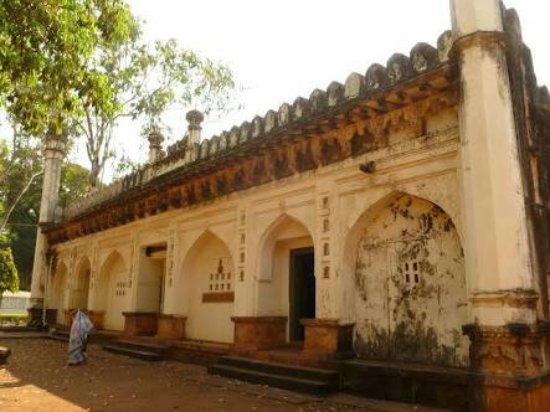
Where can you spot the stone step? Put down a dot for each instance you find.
(304, 379)
(322, 375)
(139, 350)
(60, 335)
(280, 381)
(138, 344)
(133, 353)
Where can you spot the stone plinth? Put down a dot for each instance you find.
(171, 327)
(96, 316)
(35, 316)
(140, 323)
(263, 332)
(513, 361)
(328, 337)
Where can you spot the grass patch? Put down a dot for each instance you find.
(13, 318)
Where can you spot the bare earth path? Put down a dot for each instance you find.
(37, 379)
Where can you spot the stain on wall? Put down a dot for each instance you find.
(411, 301)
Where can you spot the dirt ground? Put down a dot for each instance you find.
(38, 379)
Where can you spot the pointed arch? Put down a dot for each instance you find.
(283, 227)
(111, 291)
(58, 295)
(403, 268)
(205, 289)
(285, 267)
(80, 284)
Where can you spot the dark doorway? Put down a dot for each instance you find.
(302, 291)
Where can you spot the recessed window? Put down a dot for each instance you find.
(411, 274)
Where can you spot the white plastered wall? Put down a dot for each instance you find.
(425, 167)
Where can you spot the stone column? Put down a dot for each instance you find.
(194, 119)
(499, 268)
(54, 150)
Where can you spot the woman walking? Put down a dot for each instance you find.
(78, 338)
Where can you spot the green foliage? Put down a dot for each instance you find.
(21, 191)
(141, 82)
(8, 272)
(44, 49)
(13, 318)
(74, 183)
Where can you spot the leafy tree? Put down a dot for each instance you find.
(20, 171)
(44, 49)
(141, 82)
(8, 272)
(20, 195)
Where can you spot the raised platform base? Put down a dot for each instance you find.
(453, 389)
(297, 378)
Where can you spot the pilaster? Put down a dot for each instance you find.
(509, 348)
(497, 254)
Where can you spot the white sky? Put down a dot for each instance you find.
(283, 49)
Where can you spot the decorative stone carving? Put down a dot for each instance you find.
(300, 108)
(423, 57)
(221, 185)
(270, 121)
(204, 150)
(281, 165)
(224, 141)
(361, 143)
(245, 132)
(214, 145)
(304, 159)
(335, 92)
(318, 101)
(376, 77)
(444, 44)
(284, 114)
(355, 85)
(399, 68)
(331, 151)
(260, 174)
(257, 127)
(515, 349)
(234, 137)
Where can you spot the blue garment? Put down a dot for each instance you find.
(80, 329)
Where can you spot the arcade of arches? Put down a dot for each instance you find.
(395, 288)
(401, 218)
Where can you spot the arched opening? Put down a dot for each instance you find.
(58, 296)
(206, 287)
(111, 292)
(410, 289)
(150, 278)
(80, 287)
(286, 284)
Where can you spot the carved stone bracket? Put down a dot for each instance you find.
(517, 349)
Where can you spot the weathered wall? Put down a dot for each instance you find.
(411, 299)
(255, 229)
